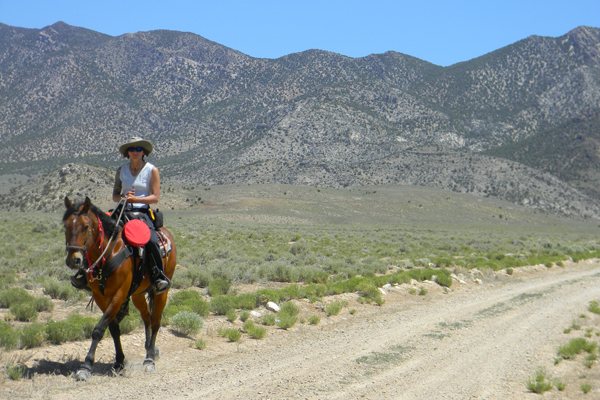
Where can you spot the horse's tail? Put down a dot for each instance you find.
(150, 300)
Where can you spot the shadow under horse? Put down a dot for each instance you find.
(114, 273)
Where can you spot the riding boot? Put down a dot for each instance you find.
(78, 281)
(159, 280)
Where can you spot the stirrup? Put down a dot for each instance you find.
(161, 285)
(78, 281)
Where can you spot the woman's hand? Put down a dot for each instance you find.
(129, 196)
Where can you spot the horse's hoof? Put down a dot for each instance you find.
(117, 368)
(149, 367)
(82, 375)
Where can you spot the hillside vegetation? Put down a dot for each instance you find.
(217, 116)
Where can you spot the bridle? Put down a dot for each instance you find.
(100, 238)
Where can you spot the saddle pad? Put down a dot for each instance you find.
(136, 232)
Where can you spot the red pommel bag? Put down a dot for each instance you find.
(136, 232)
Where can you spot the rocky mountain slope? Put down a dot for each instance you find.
(218, 116)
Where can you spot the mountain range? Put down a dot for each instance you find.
(520, 123)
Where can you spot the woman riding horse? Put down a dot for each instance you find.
(109, 266)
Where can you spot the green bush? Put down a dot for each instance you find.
(244, 315)
(11, 296)
(33, 335)
(314, 319)
(255, 332)
(285, 321)
(231, 315)
(130, 323)
(233, 335)
(335, 307)
(26, 311)
(220, 305)
(268, 319)
(218, 287)
(191, 300)
(539, 382)
(15, 372)
(60, 290)
(289, 308)
(245, 301)
(9, 338)
(575, 346)
(187, 323)
(75, 327)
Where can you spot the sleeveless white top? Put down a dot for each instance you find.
(140, 182)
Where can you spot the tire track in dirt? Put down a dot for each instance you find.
(480, 341)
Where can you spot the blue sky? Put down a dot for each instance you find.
(441, 32)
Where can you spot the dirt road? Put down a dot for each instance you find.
(480, 341)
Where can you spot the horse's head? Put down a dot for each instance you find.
(81, 231)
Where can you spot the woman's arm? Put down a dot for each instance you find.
(118, 186)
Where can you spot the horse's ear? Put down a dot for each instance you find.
(87, 204)
(68, 202)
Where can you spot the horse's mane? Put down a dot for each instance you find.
(109, 224)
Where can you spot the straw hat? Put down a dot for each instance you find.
(136, 142)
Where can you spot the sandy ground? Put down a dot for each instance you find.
(479, 341)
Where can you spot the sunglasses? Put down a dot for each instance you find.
(132, 149)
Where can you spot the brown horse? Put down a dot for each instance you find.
(92, 237)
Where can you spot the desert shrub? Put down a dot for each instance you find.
(314, 319)
(7, 277)
(335, 307)
(369, 291)
(15, 372)
(268, 319)
(200, 344)
(574, 347)
(43, 304)
(59, 290)
(75, 327)
(33, 335)
(191, 300)
(593, 307)
(218, 287)
(585, 387)
(244, 315)
(231, 315)
(285, 321)
(187, 323)
(9, 338)
(245, 301)
(130, 323)
(181, 279)
(220, 305)
(265, 295)
(25, 311)
(233, 335)
(11, 296)
(539, 382)
(290, 309)
(255, 332)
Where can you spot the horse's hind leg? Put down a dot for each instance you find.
(152, 352)
(115, 332)
(142, 305)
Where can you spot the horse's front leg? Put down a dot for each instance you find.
(111, 310)
(115, 332)
(85, 370)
